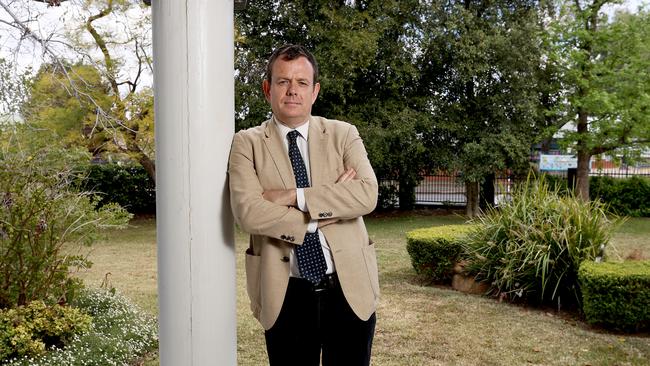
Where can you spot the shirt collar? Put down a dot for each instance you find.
(303, 129)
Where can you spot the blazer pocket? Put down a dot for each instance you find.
(253, 279)
(370, 256)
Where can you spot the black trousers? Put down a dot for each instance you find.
(315, 318)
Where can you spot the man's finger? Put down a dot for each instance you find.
(347, 175)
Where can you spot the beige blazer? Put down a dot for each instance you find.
(259, 162)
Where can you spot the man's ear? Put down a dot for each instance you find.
(266, 88)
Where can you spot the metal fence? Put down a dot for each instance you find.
(449, 190)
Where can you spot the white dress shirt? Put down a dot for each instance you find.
(301, 141)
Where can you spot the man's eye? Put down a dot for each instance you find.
(283, 82)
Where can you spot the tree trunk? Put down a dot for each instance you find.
(149, 166)
(487, 192)
(136, 153)
(582, 176)
(406, 195)
(472, 193)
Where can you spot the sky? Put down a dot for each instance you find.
(61, 24)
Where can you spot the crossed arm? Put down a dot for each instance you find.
(288, 197)
(273, 213)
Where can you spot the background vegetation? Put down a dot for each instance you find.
(465, 86)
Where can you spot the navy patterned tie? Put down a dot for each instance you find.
(311, 261)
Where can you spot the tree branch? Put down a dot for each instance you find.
(51, 2)
(99, 40)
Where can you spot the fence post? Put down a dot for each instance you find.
(487, 192)
(571, 175)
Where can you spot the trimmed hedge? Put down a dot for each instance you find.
(616, 295)
(624, 196)
(434, 251)
(129, 186)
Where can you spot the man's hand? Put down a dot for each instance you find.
(347, 175)
(285, 197)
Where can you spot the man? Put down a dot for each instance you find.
(300, 185)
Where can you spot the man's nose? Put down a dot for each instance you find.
(291, 90)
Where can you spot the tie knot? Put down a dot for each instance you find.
(293, 135)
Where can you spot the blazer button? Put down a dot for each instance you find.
(329, 214)
(283, 237)
(320, 214)
(285, 259)
(291, 238)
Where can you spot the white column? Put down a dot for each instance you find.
(194, 105)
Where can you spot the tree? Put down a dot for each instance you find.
(103, 31)
(53, 106)
(605, 74)
(366, 51)
(483, 69)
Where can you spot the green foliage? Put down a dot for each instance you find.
(387, 196)
(40, 211)
(482, 64)
(430, 85)
(128, 186)
(603, 65)
(368, 74)
(32, 329)
(531, 246)
(616, 295)
(434, 251)
(624, 196)
(120, 334)
(71, 114)
(80, 107)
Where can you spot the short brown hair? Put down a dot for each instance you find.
(291, 52)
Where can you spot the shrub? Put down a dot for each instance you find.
(616, 295)
(624, 196)
(31, 329)
(40, 211)
(387, 196)
(128, 186)
(120, 334)
(532, 246)
(434, 251)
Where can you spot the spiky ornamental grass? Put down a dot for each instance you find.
(531, 247)
(120, 334)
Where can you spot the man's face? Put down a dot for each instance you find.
(291, 91)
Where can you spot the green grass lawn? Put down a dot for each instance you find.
(416, 324)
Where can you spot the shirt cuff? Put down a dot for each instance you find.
(300, 198)
(312, 226)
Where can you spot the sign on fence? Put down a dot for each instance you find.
(557, 162)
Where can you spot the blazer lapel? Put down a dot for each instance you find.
(275, 147)
(317, 151)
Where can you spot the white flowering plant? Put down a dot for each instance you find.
(120, 333)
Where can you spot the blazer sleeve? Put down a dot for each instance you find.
(252, 212)
(346, 200)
